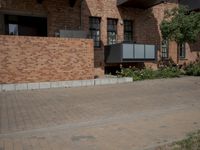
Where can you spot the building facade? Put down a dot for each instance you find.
(65, 29)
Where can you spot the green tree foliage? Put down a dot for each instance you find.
(181, 25)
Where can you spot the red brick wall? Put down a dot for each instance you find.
(192, 52)
(60, 15)
(34, 59)
(173, 53)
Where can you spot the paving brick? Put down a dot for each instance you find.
(17, 144)
(100, 117)
(1, 144)
(8, 144)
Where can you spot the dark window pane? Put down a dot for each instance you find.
(95, 30)
(128, 30)
(182, 50)
(25, 25)
(13, 29)
(112, 31)
(165, 48)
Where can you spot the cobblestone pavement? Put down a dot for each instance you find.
(133, 116)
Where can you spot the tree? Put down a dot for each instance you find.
(181, 25)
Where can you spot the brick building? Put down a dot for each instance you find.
(54, 38)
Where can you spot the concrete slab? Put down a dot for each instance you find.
(87, 82)
(45, 85)
(68, 84)
(76, 83)
(23, 86)
(8, 87)
(33, 86)
(62, 84)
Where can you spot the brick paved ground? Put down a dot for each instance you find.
(117, 117)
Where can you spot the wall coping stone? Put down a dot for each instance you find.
(63, 84)
(48, 38)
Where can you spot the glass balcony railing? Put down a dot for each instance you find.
(129, 52)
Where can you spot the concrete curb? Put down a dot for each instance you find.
(63, 84)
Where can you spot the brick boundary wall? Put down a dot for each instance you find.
(25, 59)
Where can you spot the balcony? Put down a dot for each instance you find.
(128, 52)
(143, 4)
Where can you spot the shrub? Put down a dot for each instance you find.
(148, 73)
(192, 142)
(168, 72)
(193, 69)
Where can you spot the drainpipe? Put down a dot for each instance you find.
(81, 6)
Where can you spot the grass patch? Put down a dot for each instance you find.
(192, 142)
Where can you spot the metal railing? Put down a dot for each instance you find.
(130, 52)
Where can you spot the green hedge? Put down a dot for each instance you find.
(148, 73)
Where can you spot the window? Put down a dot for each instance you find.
(112, 31)
(25, 25)
(95, 30)
(181, 50)
(128, 30)
(13, 29)
(165, 48)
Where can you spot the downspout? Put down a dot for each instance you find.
(81, 7)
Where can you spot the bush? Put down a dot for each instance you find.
(192, 142)
(133, 72)
(193, 69)
(168, 72)
(148, 73)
